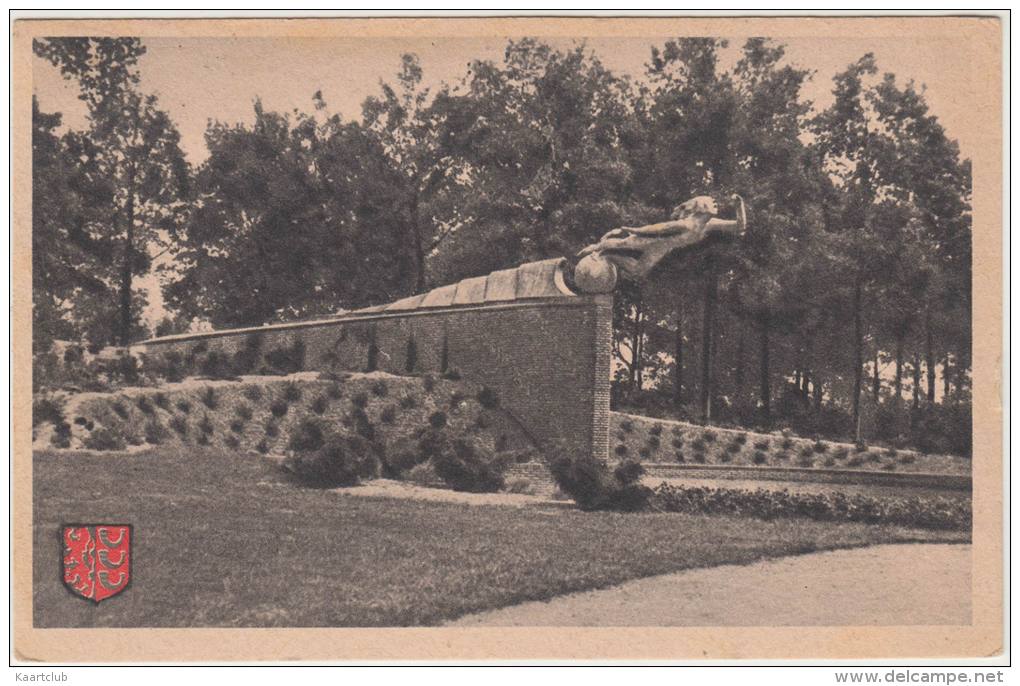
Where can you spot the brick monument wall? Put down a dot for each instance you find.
(545, 353)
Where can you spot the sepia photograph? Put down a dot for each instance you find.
(476, 323)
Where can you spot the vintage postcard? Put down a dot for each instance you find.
(507, 338)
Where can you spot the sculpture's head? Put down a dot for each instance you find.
(702, 204)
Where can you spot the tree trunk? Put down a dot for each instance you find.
(945, 379)
(876, 381)
(917, 380)
(637, 347)
(858, 358)
(707, 334)
(678, 370)
(898, 383)
(817, 387)
(738, 372)
(419, 248)
(127, 266)
(765, 324)
(929, 355)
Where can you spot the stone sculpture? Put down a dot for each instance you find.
(632, 252)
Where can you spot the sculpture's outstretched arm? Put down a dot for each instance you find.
(734, 227)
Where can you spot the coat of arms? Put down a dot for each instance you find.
(97, 559)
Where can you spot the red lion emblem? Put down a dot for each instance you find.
(97, 559)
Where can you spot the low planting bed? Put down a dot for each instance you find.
(334, 430)
(649, 440)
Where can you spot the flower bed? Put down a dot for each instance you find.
(649, 440)
(929, 512)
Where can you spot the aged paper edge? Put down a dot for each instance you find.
(983, 638)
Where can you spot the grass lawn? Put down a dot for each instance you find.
(220, 539)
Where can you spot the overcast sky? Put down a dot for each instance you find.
(198, 79)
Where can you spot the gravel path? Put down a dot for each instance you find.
(882, 585)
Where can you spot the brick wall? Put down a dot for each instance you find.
(547, 359)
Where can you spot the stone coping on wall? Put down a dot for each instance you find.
(952, 482)
(529, 285)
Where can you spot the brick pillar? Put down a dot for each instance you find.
(602, 369)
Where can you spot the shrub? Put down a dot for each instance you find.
(61, 435)
(907, 458)
(488, 398)
(889, 466)
(708, 435)
(782, 455)
(725, 457)
(656, 430)
(699, 445)
(891, 452)
(272, 430)
(452, 375)
(626, 426)
(209, 398)
(217, 365)
(362, 424)
(145, 405)
(408, 402)
(855, 461)
(341, 461)
(155, 432)
(232, 441)
(320, 404)
(203, 439)
(820, 447)
(279, 408)
(933, 512)
(422, 474)
(47, 410)
(807, 451)
(291, 392)
(205, 425)
(645, 453)
(468, 466)
(699, 457)
(287, 359)
(841, 453)
(734, 448)
(253, 393)
(759, 457)
(380, 388)
(456, 398)
(592, 487)
(861, 447)
(360, 399)
(429, 382)
(740, 438)
(237, 426)
(437, 420)
(787, 443)
(184, 406)
(806, 460)
(621, 450)
(180, 425)
(875, 456)
(308, 435)
(335, 391)
(680, 456)
(761, 445)
(653, 443)
(162, 401)
(119, 408)
(389, 414)
(262, 447)
(105, 438)
(678, 442)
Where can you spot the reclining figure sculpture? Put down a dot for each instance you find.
(634, 251)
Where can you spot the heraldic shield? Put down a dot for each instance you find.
(97, 559)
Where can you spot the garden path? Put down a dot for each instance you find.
(883, 585)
